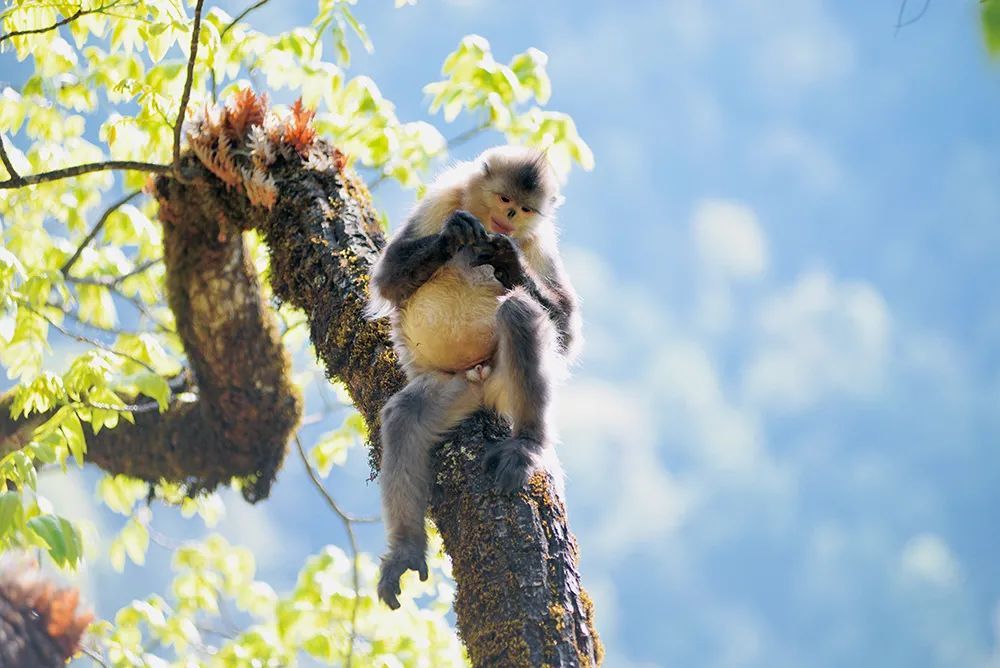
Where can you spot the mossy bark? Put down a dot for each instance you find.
(519, 601)
(246, 405)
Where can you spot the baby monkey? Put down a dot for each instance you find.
(482, 314)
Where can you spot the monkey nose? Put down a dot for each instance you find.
(511, 213)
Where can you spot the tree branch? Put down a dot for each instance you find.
(86, 339)
(186, 95)
(519, 601)
(900, 23)
(77, 170)
(80, 11)
(242, 15)
(58, 24)
(113, 282)
(95, 230)
(346, 520)
(11, 172)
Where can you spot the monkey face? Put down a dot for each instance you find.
(508, 216)
(514, 188)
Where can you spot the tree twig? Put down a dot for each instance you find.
(900, 23)
(94, 656)
(11, 172)
(452, 143)
(186, 95)
(80, 11)
(88, 168)
(242, 15)
(347, 521)
(96, 229)
(115, 281)
(469, 134)
(58, 24)
(86, 339)
(136, 302)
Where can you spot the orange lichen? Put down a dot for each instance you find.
(24, 591)
(299, 132)
(243, 111)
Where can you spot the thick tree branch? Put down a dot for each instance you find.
(519, 600)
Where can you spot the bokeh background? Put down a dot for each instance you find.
(782, 441)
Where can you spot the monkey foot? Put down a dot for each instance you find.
(394, 565)
(479, 373)
(511, 463)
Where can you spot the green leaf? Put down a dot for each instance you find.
(60, 536)
(154, 386)
(990, 13)
(135, 536)
(120, 493)
(132, 541)
(11, 512)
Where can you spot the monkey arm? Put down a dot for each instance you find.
(407, 264)
(409, 261)
(558, 299)
(550, 288)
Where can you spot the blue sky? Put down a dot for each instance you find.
(781, 444)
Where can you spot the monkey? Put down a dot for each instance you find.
(482, 313)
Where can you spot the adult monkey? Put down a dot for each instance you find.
(481, 315)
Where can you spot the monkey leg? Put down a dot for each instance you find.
(519, 387)
(413, 420)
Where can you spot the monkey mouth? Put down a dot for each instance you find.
(500, 226)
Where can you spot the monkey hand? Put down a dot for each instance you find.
(394, 565)
(460, 230)
(511, 463)
(502, 254)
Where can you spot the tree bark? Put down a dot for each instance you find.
(519, 601)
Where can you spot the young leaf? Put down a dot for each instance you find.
(60, 536)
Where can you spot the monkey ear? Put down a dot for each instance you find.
(556, 201)
(486, 169)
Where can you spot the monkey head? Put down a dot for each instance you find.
(514, 188)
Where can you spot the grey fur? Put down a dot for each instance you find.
(413, 420)
(524, 342)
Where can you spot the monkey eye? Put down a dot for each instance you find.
(504, 199)
(525, 209)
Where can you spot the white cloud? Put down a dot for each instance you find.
(927, 558)
(729, 239)
(617, 316)
(609, 435)
(686, 383)
(816, 338)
